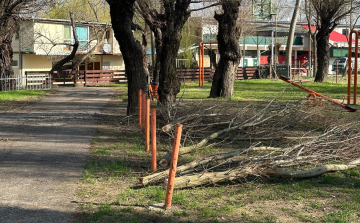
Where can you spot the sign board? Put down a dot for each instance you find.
(27, 50)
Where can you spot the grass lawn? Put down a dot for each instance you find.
(109, 191)
(14, 99)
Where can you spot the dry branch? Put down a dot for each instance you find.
(162, 175)
(278, 172)
(242, 172)
(256, 120)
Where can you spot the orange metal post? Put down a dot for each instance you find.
(200, 69)
(153, 139)
(139, 105)
(203, 66)
(143, 107)
(349, 67)
(147, 125)
(356, 64)
(173, 165)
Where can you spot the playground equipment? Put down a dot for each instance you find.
(314, 94)
(355, 65)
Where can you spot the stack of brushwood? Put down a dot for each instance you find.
(275, 140)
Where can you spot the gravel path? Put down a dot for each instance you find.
(42, 154)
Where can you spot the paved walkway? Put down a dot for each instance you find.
(42, 154)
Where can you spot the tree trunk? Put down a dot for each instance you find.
(6, 70)
(176, 15)
(169, 84)
(290, 40)
(323, 54)
(315, 55)
(229, 50)
(8, 28)
(59, 65)
(122, 13)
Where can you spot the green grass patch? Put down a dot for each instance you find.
(265, 89)
(21, 95)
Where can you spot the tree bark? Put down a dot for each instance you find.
(290, 39)
(122, 13)
(229, 50)
(323, 53)
(8, 26)
(167, 27)
(169, 83)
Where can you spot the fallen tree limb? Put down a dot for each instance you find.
(256, 121)
(242, 172)
(162, 175)
(278, 172)
(212, 178)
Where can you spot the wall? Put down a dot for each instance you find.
(32, 62)
(116, 62)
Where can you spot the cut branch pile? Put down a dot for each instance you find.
(320, 146)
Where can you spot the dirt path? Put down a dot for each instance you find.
(43, 148)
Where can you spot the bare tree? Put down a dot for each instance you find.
(91, 14)
(312, 34)
(122, 14)
(167, 23)
(327, 15)
(11, 14)
(289, 43)
(229, 49)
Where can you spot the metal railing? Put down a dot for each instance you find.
(28, 82)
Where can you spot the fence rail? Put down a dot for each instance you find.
(33, 81)
(105, 77)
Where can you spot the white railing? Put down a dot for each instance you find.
(28, 82)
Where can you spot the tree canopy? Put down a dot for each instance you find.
(84, 10)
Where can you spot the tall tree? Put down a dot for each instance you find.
(327, 15)
(11, 13)
(167, 24)
(83, 10)
(290, 39)
(229, 49)
(91, 12)
(122, 14)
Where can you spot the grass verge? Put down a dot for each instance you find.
(109, 191)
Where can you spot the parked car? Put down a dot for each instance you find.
(341, 64)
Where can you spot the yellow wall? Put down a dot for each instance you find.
(116, 62)
(32, 62)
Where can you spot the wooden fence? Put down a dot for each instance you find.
(105, 77)
(89, 77)
(193, 74)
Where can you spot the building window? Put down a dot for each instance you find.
(67, 37)
(82, 35)
(107, 35)
(106, 66)
(14, 64)
(345, 32)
